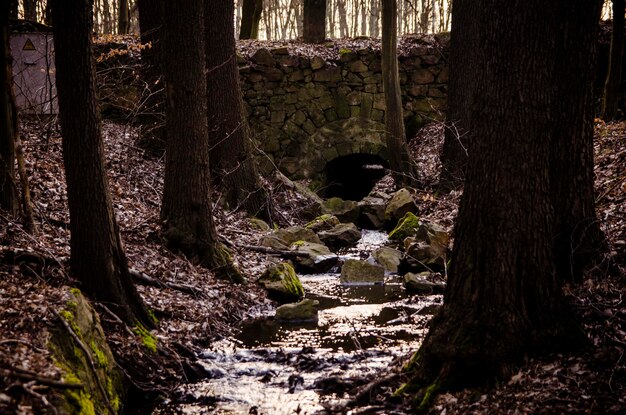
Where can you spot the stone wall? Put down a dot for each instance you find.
(308, 106)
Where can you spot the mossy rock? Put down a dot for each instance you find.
(103, 389)
(282, 283)
(407, 226)
(259, 224)
(345, 210)
(400, 204)
(322, 223)
(314, 257)
(283, 238)
(305, 310)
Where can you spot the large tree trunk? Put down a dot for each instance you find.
(250, 18)
(461, 95)
(30, 10)
(314, 24)
(232, 161)
(580, 244)
(152, 112)
(613, 84)
(402, 168)
(97, 258)
(186, 210)
(8, 124)
(503, 300)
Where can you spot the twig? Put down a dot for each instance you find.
(92, 365)
(153, 282)
(24, 374)
(115, 318)
(41, 397)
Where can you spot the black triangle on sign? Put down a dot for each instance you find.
(28, 45)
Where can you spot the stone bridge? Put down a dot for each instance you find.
(309, 110)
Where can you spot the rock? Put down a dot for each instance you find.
(317, 63)
(341, 235)
(282, 283)
(389, 258)
(400, 204)
(372, 212)
(407, 226)
(322, 223)
(283, 238)
(344, 210)
(433, 234)
(316, 257)
(424, 282)
(259, 224)
(263, 57)
(421, 256)
(358, 272)
(305, 310)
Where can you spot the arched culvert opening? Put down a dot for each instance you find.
(353, 176)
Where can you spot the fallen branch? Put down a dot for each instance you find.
(144, 279)
(27, 375)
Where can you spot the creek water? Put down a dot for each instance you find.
(281, 368)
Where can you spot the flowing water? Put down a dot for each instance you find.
(280, 368)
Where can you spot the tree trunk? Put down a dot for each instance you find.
(97, 258)
(13, 9)
(232, 161)
(374, 16)
(343, 20)
(461, 97)
(186, 210)
(251, 11)
(30, 10)
(503, 300)
(314, 24)
(613, 84)
(8, 126)
(123, 18)
(402, 168)
(580, 244)
(152, 112)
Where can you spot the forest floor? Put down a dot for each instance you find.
(34, 274)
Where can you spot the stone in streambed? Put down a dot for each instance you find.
(305, 310)
(322, 223)
(358, 272)
(315, 257)
(283, 238)
(282, 283)
(424, 283)
(341, 235)
(400, 204)
(389, 258)
(344, 210)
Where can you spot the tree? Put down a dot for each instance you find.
(30, 10)
(250, 18)
(231, 157)
(314, 25)
(399, 161)
(97, 257)
(8, 126)
(123, 18)
(503, 300)
(613, 84)
(186, 214)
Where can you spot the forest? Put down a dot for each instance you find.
(312, 207)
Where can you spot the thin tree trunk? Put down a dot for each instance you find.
(374, 17)
(30, 10)
(399, 161)
(613, 84)
(232, 161)
(186, 214)
(97, 257)
(343, 19)
(314, 25)
(250, 17)
(123, 18)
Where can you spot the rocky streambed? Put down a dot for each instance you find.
(365, 306)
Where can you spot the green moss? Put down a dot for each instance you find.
(427, 396)
(154, 319)
(319, 219)
(71, 304)
(147, 338)
(344, 51)
(101, 358)
(406, 227)
(80, 402)
(281, 279)
(298, 243)
(113, 396)
(69, 318)
(75, 291)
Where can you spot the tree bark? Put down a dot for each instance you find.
(8, 126)
(314, 23)
(186, 214)
(579, 242)
(97, 258)
(123, 17)
(231, 157)
(503, 300)
(402, 168)
(30, 10)
(461, 96)
(613, 84)
(251, 11)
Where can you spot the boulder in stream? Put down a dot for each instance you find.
(372, 212)
(315, 257)
(282, 283)
(341, 235)
(421, 256)
(407, 226)
(358, 272)
(322, 223)
(344, 210)
(305, 310)
(283, 238)
(424, 283)
(400, 204)
(389, 258)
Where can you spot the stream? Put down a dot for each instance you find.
(284, 368)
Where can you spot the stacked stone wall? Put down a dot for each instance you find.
(305, 109)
